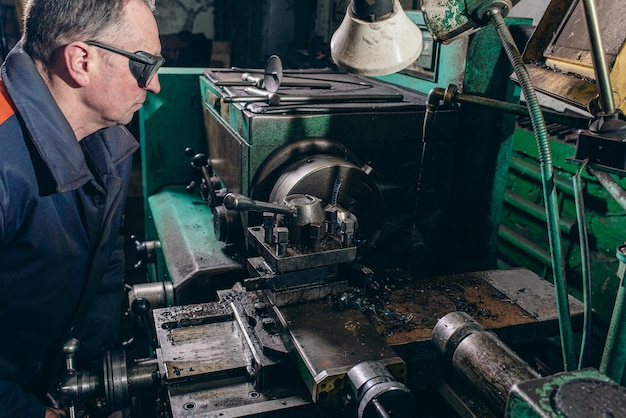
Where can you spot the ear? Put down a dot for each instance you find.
(79, 61)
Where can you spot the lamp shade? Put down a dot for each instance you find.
(385, 46)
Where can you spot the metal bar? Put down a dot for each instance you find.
(584, 258)
(276, 99)
(242, 83)
(615, 190)
(234, 201)
(305, 75)
(519, 110)
(614, 356)
(480, 357)
(597, 54)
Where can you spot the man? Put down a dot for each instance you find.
(81, 70)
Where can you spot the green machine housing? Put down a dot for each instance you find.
(458, 183)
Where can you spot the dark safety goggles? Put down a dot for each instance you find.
(143, 66)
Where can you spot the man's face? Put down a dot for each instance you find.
(115, 94)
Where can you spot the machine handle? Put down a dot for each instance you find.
(234, 201)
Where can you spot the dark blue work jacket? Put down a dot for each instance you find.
(61, 206)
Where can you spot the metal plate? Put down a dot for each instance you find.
(327, 343)
(187, 352)
(240, 400)
(571, 42)
(589, 397)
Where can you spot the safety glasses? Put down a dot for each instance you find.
(143, 66)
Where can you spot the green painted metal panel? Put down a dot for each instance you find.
(168, 123)
(363, 131)
(188, 244)
(606, 221)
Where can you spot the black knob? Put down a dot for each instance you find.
(191, 187)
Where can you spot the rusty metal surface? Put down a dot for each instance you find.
(571, 43)
(578, 92)
(503, 300)
(559, 53)
(425, 301)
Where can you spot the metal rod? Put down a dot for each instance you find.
(355, 83)
(237, 83)
(303, 74)
(597, 54)
(343, 98)
(234, 201)
(614, 356)
(519, 110)
(584, 258)
(451, 95)
(615, 190)
(380, 411)
(480, 357)
(276, 99)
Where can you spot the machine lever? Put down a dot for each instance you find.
(141, 307)
(234, 201)
(380, 411)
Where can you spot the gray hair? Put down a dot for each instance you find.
(49, 24)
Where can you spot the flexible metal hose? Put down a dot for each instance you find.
(549, 190)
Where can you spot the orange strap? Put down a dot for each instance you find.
(7, 109)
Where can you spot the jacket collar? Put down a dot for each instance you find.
(49, 130)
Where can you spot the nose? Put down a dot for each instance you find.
(154, 85)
